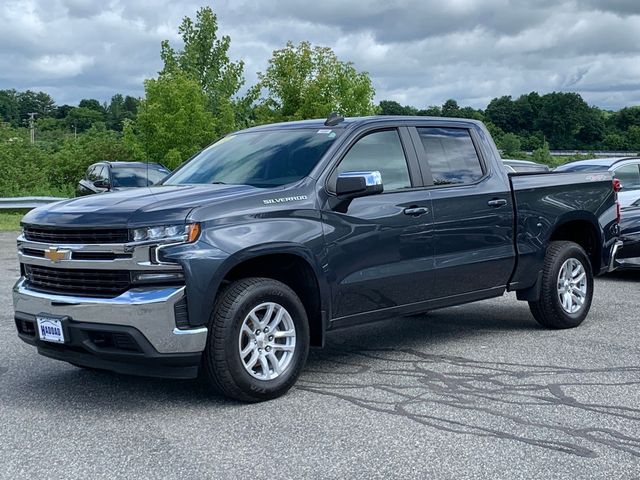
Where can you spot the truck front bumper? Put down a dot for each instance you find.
(133, 333)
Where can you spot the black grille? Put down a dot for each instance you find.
(70, 236)
(92, 283)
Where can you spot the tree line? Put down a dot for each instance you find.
(563, 120)
(200, 95)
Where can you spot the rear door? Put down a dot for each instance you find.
(472, 212)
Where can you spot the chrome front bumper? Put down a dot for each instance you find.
(150, 310)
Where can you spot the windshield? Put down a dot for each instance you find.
(262, 159)
(125, 177)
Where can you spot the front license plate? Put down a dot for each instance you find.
(50, 329)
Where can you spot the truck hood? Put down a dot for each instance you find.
(160, 205)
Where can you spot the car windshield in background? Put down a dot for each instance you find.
(262, 159)
(125, 177)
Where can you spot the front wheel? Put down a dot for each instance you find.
(258, 340)
(567, 287)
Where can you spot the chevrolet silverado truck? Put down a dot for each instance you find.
(250, 252)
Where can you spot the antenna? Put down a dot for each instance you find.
(333, 119)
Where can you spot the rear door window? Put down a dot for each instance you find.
(451, 155)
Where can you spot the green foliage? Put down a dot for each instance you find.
(510, 144)
(119, 110)
(205, 59)
(542, 155)
(80, 119)
(173, 121)
(390, 107)
(53, 167)
(10, 221)
(92, 104)
(302, 81)
(70, 161)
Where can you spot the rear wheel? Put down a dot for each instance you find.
(258, 340)
(567, 287)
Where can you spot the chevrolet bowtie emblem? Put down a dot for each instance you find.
(55, 255)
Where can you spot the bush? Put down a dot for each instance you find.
(53, 167)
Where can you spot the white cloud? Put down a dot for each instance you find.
(419, 52)
(62, 66)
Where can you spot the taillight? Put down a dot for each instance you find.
(616, 185)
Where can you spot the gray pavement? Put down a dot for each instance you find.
(478, 391)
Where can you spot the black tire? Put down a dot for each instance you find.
(222, 366)
(548, 310)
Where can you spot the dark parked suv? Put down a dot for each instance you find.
(114, 176)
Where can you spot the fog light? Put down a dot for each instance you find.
(157, 277)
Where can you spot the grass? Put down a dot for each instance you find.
(10, 222)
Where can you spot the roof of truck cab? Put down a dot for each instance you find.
(356, 121)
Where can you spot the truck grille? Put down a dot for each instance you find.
(71, 236)
(88, 283)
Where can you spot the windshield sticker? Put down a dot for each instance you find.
(271, 201)
(326, 131)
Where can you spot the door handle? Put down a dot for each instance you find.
(497, 202)
(415, 211)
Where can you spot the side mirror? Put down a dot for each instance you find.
(359, 184)
(101, 183)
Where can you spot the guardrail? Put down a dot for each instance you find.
(25, 203)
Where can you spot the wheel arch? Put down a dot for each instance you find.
(291, 264)
(581, 228)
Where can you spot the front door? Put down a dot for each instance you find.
(379, 248)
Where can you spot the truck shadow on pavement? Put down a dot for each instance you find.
(560, 408)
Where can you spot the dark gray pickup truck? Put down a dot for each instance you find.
(250, 252)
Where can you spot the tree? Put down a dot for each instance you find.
(626, 117)
(542, 154)
(92, 104)
(205, 59)
(173, 121)
(80, 119)
(510, 144)
(119, 110)
(391, 107)
(302, 81)
(561, 117)
(450, 108)
(502, 113)
(9, 108)
(432, 111)
(39, 103)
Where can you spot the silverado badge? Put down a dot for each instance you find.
(55, 255)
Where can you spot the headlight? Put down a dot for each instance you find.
(186, 233)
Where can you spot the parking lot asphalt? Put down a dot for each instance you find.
(477, 391)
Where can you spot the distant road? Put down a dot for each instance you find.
(595, 153)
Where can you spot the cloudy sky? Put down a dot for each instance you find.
(418, 52)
